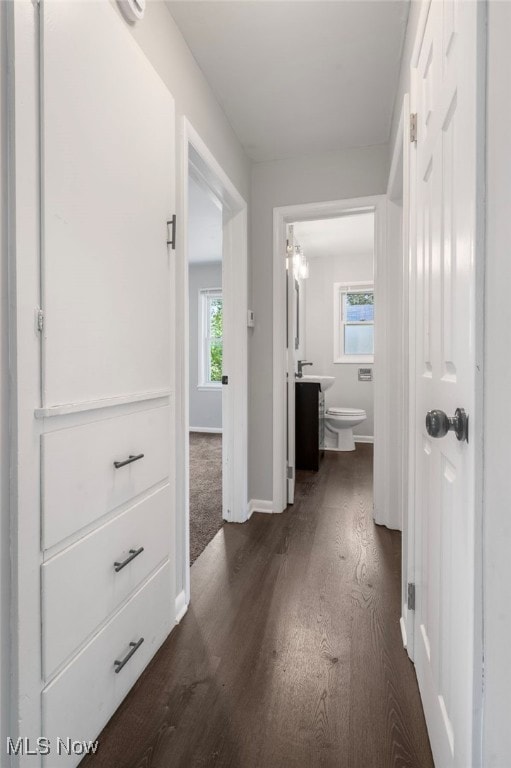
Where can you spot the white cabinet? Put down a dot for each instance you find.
(94, 152)
(105, 586)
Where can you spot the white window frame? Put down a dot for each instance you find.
(339, 290)
(205, 296)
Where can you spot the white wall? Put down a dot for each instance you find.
(205, 405)
(316, 178)
(163, 44)
(4, 401)
(347, 391)
(497, 410)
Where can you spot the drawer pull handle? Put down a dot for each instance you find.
(134, 648)
(133, 554)
(129, 460)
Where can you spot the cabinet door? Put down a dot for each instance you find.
(107, 192)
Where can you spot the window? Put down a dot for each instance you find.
(211, 342)
(353, 323)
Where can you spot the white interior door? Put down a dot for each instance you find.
(108, 192)
(292, 346)
(447, 363)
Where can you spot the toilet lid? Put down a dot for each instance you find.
(346, 411)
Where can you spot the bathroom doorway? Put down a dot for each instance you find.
(326, 260)
(330, 336)
(336, 281)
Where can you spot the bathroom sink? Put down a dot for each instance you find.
(324, 381)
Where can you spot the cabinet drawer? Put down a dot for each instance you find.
(81, 586)
(79, 702)
(79, 479)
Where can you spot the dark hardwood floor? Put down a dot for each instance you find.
(290, 655)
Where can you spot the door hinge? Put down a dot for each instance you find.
(411, 597)
(171, 239)
(40, 320)
(290, 473)
(225, 379)
(413, 128)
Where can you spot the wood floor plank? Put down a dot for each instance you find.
(290, 655)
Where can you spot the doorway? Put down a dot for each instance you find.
(201, 172)
(330, 273)
(205, 334)
(304, 218)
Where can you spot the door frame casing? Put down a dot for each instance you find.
(282, 216)
(399, 189)
(195, 154)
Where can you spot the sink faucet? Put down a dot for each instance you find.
(301, 365)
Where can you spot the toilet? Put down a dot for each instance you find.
(341, 421)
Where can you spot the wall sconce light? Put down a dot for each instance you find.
(300, 263)
(297, 261)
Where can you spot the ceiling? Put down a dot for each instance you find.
(297, 77)
(353, 235)
(204, 225)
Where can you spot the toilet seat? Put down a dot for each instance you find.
(337, 411)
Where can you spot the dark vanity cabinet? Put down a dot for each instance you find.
(309, 425)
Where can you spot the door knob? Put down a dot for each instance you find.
(438, 424)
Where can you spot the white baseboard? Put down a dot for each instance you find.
(181, 606)
(357, 438)
(363, 438)
(211, 430)
(260, 505)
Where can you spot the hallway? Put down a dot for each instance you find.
(290, 654)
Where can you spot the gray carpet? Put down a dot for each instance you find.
(205, 490)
